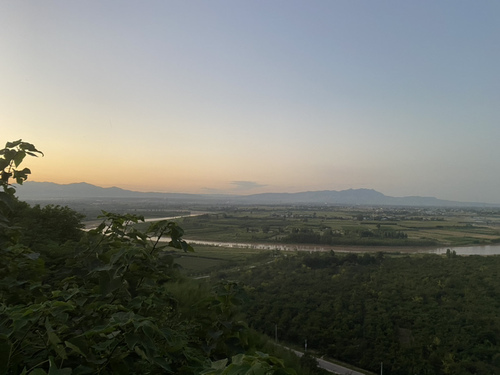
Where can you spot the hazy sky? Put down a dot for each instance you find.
(257, 96)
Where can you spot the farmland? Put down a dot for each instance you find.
(347, 226)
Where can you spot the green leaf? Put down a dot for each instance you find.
(5, 349)
(75, 348)
(219, 365)
(101, 346)
(122, 318)
(38, 371)
(18, 159)
(5, 177)
(238, 359)
(79, 345)
(53, 370)
(21, 176)
(4, 163)
(162, 363)
(83, 370)
(25, 146)
(108, 284)
(10, 155)
(132, 339)
(141, 353)
(186, 247)
(13, 144)
(55, 341)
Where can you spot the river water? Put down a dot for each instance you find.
(470, 250)
(151, 219)
(465, 250)
(461, 250)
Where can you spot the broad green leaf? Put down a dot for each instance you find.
(162, 363)
(238, 359)
(132, 339)
(55, 341)
(10, 155)
(75, 348)
(219, 365)
(122, 318)
(53, 370)
(4, 163)
(38, 371)
(13, 144)
(113, 334)
(186, 247)
(140, 352)
(5, 176)
(25, 146)
(107, 284)
(103, 345)
(149, 329)
(19, 158)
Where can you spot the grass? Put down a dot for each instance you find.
(206, 259)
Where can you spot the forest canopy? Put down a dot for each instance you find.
(418, 314)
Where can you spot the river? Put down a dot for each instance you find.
(470, 250)
(466, 250)
(460, 250)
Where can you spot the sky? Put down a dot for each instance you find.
(245, 97)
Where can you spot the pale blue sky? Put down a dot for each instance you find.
(255, 96)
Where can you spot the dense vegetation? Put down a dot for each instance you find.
(419, 314)
(112, 300)
(109, 300)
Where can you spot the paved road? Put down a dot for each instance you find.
(332, 367)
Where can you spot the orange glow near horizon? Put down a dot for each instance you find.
(329, 98)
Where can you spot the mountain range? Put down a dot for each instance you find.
(48, 191)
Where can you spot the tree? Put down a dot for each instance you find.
(114, 303)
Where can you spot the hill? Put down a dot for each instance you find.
(33, 191)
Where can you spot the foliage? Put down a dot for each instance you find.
(40, 227)
(110, 300)
(425, 314)
(245, 364)
(12, 156)
(307, 361)
(103, 312)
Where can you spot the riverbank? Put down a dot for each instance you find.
(465, 250)
(312, 248)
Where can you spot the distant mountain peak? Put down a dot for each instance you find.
(363, 196)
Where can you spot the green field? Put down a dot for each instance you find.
(206, 259)
(339, 228)
(347, 226)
